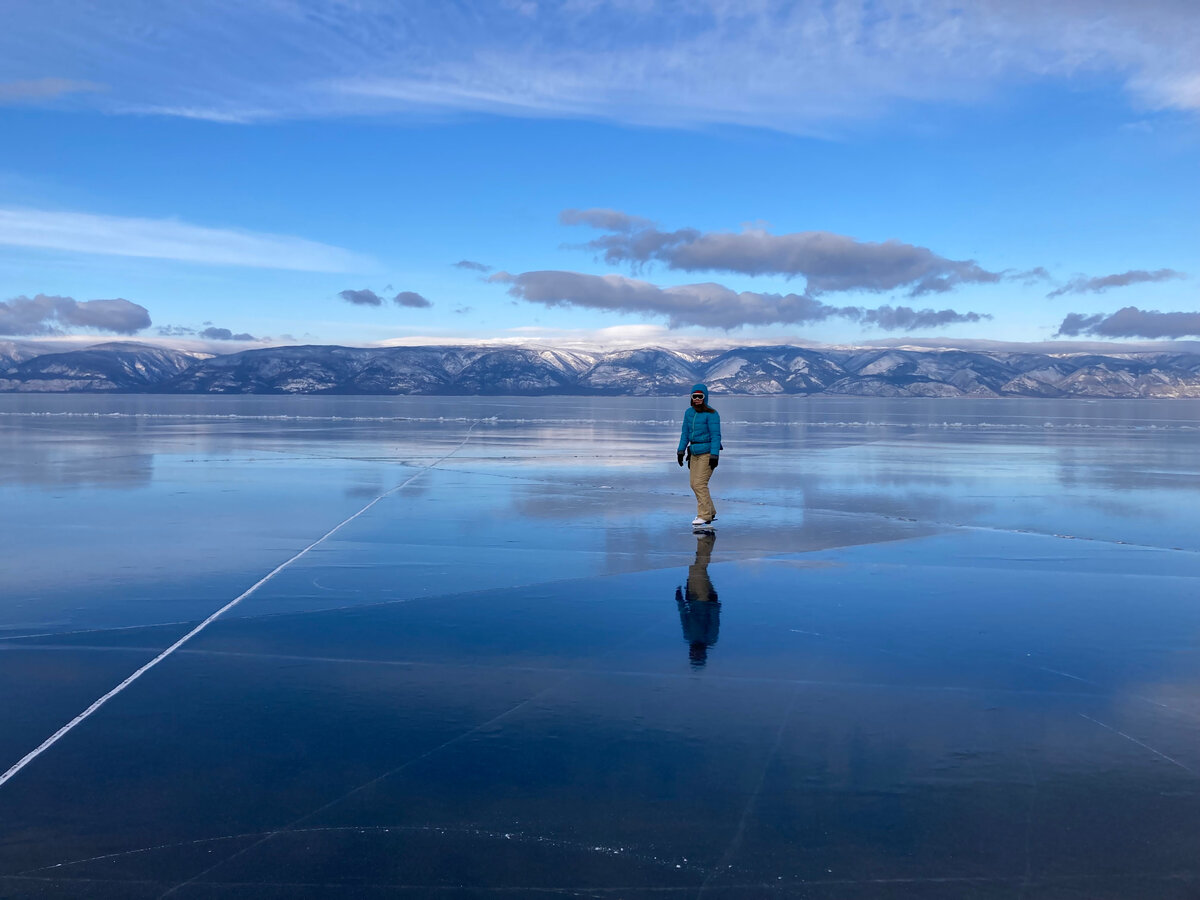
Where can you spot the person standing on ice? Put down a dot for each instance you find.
(701, 439)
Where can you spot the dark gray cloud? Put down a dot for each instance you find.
(1132, 322)
(224, 334)
(411, 299)
(45, 314)
(211, 333)
(473, 266)
(828, 262)
(1038, 273)
(118, 315)
(1098, 285)
(905, 318)
(362, 298)
(708, 305)
(367, 297)
(1078, 323)
(604, 219)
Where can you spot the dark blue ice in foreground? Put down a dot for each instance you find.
(935, 650)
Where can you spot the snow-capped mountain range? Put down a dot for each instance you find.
(472, 370)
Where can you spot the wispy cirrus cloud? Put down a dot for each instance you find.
(50, 314)
(709, 305)
(1132, 322)
(170, 239)
(795, 66)
(791, 65)
(1084, 284)
(38, 89)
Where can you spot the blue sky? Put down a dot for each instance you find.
(620, 172)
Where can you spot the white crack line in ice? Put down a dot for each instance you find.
(614, 673)
(511, 835)
(571, 675)
(1158, 753)
(735, 843)
(772, 887)
(66, 729)
(1027, 881)
(19, 637)
(1067, 675)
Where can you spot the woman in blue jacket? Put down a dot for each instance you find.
(701, 437)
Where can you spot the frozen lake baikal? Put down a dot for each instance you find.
(936, 648)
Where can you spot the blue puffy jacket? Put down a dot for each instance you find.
(701, 430)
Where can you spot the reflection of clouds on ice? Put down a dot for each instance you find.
(70, 467)
(364, 489)
(927, 684)
(948, 702)
(1167, 468)
(1175, 701)
(921, 506)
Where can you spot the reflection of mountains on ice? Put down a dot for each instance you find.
(699, 608)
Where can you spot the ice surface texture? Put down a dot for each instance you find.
(954, 657)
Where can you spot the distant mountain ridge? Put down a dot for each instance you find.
(120, 366)
(130, 367)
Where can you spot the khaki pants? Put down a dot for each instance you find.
(699, 474)
(699, 587)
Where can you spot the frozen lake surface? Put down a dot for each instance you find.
(937, 649)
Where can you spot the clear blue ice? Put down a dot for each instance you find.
(936, 649)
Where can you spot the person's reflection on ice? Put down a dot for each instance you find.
(699, 609)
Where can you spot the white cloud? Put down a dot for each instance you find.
(644, 335)
(224, 116)
(170, 239)
(792, 65)
(32, 90)
(612, 338)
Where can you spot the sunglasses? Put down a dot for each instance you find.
(697, 396)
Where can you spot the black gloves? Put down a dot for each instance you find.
(712, 462)
(679, 457)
